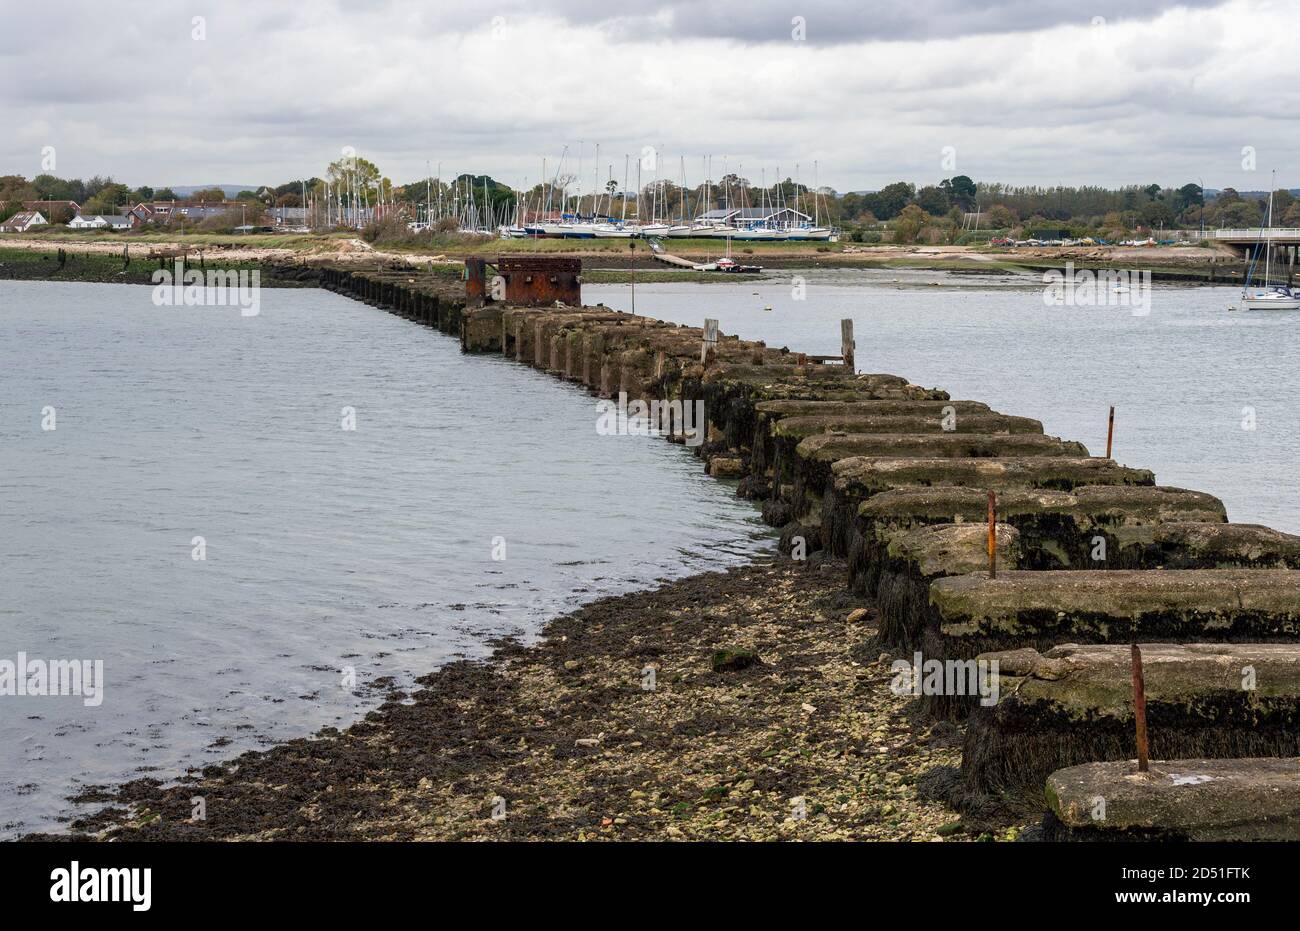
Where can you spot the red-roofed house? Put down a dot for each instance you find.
(50, 208)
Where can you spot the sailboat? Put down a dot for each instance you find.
(1267, 296)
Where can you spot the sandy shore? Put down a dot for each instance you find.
(572, 739)
(333, 249)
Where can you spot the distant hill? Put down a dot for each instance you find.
(185, 190)
(1211, 193)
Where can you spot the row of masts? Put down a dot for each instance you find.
(474, 205)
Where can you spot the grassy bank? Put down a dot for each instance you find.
(108, 268)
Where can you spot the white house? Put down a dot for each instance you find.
(22, 222)
(101, 222)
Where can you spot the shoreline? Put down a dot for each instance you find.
(770, 703)
(563, 740)
(274, 252)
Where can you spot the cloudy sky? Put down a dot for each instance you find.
(1021, 91)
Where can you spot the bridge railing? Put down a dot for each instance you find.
(1276, 233)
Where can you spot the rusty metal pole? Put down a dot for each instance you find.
(993, 535)
(1110, 431)
(1140, 710)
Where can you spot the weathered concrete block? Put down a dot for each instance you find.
(725, 467)
(1074, 704)
(1190, 799)
(1060, 529)
(913, 559)
(731, 392)
(976, 614)
(815, 455)
(858, 478)
(767, 414)
(481, 330)
(1189, 545)
(787, 433)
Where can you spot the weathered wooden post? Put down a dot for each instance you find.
(708, 348)
(1110, 431)
(846, 345)
(993, 534)
(1140, 710)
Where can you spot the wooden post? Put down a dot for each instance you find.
(1140, 710)
(710, 339)
(846, 344)
(1110, 431)
(993, 534)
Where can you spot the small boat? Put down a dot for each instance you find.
(809, 234)
(728, 265)
(613, 231)
(1267, 296)
(1276, 297)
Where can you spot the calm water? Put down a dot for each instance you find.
(325, 548)
(1181, 377)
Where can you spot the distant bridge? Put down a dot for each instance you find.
(1285, 240)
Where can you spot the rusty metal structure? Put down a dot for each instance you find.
(524, 281)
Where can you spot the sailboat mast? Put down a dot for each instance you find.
(1268, 241)
(624, 198)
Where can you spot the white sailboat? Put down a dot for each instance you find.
(1268, 296)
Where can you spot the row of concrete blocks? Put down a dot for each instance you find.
(894, 477)
(1078, 544)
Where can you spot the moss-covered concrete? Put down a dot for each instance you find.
(815, 455)
(1062, 530)
(1039, 609)
(766, 414)
(731, 393)
(787, 433)
(858, 478)
(912, 559)
(1193, 545)
(1074, 704)
(1182, 799)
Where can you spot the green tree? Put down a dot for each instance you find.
(933, 200)
(209, 195)
(911, 220)
(1000, 217)
(890, 200)
(1188, 195)
(961, 190)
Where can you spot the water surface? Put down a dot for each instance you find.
(325, 548)
(1187, 380)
